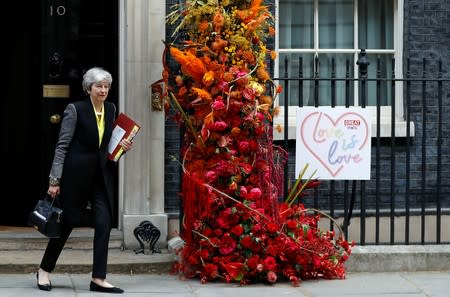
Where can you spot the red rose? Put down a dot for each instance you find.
(292, 224)
(269, 263)
(227, 244)
(272, 227)
(237, 230)
(247, 242)
(211, 270)
(252, 262)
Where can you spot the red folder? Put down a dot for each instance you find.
(124, 127)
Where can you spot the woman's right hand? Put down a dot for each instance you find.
(53, 191)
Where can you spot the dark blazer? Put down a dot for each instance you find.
(79, 160)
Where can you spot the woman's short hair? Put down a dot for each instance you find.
(95, 75)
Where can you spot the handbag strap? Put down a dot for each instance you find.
(48, 197)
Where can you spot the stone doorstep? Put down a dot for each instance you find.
(80, 261)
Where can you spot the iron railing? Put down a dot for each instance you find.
(407, 198)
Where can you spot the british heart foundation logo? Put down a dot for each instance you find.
(334, 141)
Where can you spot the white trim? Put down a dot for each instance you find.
(122, 79)
(385, 124)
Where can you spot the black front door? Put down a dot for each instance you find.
(42, 68)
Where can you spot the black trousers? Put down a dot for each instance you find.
(102, 229)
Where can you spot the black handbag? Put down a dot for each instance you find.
(46, 217)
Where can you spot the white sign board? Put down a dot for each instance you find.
(334, 141)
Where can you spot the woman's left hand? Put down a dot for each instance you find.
(126, 144)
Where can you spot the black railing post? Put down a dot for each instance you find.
(286, 123)
(378, 156)
(393, 161)
(439, 158)
(408, 150)
(424, 152)
(363, 63)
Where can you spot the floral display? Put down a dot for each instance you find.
(237, 224)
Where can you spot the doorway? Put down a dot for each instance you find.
(41, 72)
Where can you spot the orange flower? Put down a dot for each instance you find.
(190, 64)
(273, 55)
(202, 93)
(278, 128)
(218, 21)
(203, 26)
(208, 78)
(262, 74)
(265, 99)
(235, 131)
(228, 76)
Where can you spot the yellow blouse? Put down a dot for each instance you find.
(100, 117)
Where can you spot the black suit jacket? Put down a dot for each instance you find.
(80, 160)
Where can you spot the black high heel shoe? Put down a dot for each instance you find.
(46, 287)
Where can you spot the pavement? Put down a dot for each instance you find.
(393, 284)
(385, 271)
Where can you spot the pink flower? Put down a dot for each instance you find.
(271, 277)
(219, 126)
(244, 147)
(255, 193)
(242, 191)
(218, 104)
(211, 176)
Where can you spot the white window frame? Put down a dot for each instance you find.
(385, 118)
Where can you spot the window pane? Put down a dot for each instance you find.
(296, 24)
(381, 66)
(299, 91)
(305, 90)
(376, 24)
(336, 24)
(339, 89)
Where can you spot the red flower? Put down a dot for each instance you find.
(227, 244)
(235, 270)
(247, 242)
(237, 230)
(244, 147)
(269, 263)
(211, 270)
(291, 224)
(252, 262)
(272, 227)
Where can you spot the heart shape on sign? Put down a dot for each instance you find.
(342, 138)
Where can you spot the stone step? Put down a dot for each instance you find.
(26, 238)
(21, 251)
(80, 261)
